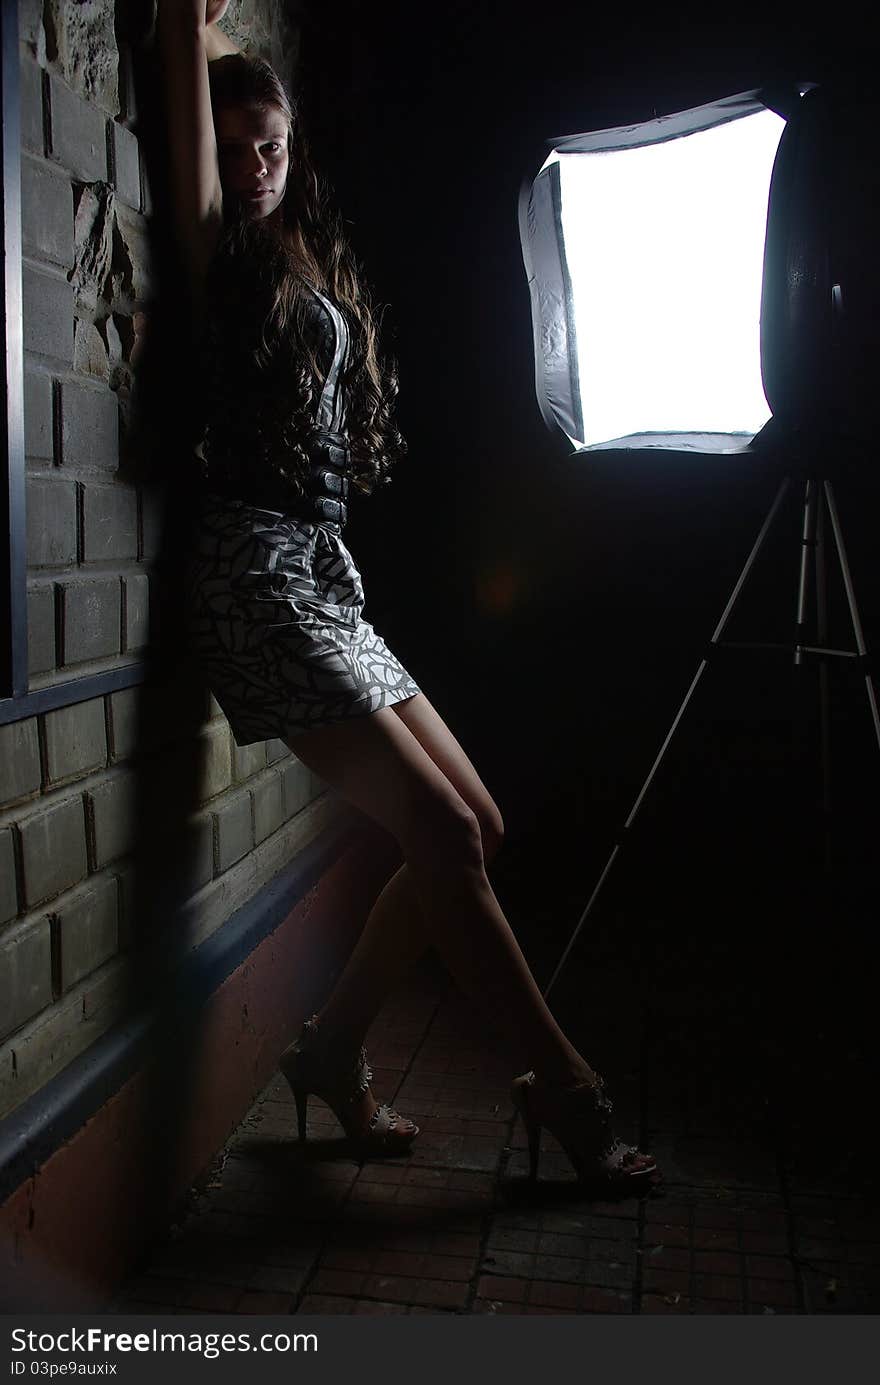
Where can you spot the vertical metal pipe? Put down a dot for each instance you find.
(13, 553)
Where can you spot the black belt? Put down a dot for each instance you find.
(326, 483)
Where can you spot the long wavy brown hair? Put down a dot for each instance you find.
(312, 249)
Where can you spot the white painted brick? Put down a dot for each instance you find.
(276, 750)
(87, 927)
(31, 105)
(45, 1045)
(89, 352)
(124, 718)
(90, 619)
(298, 787)
(48, 314)
(41, 627)
(114, 806)
(51, 522)
(8, 893)
(235, 828)
(25, 972)
(198, 852)
(248, 760)
(268, 805)
(46, 212)
(128, 172)
(137, 611)
(76, 740)
(127, 879)
(89, 426)
(19, 760)
(79, 139)
(106, 994)
(53, 849)
(208, 910)
(109, 522)
(215, 762)
(38, 415)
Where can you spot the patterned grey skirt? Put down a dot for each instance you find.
(275, 619)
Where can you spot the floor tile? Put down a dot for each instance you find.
(740, 1225)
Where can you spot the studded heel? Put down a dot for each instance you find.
(309, 1071)
(580, 1119)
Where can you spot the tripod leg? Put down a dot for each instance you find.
(853, 607)
(808, 541)
(719, 630)
(813, 544)
(824, 699)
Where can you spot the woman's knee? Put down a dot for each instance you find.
(491, 829)
(444, 833)
(474, 833)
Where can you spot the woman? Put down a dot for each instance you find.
(298, 409)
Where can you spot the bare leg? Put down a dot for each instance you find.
(394, 937)
(379, 763)
(396, 933)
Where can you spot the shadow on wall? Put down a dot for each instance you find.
(172, 757)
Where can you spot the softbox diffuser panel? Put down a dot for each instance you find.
(669, 339)
(796, 307)
(555, 343)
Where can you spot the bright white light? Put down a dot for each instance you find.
(665, 248)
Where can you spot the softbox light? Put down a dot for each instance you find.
(686, 288)
(668, 306)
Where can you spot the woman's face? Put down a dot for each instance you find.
(252, 150)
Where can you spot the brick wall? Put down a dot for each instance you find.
(83, 787)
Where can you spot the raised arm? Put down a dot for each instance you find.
(188, 39)
(217, 43)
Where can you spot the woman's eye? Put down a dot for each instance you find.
(273, 145)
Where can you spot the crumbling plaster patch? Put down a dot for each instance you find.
(80, 44)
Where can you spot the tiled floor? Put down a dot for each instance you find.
(758, 1212)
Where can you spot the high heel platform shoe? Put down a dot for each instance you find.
(308, 1070)
(580, 1119)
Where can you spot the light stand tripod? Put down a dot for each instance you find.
(819, 503)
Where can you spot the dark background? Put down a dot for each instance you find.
(553, 608)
